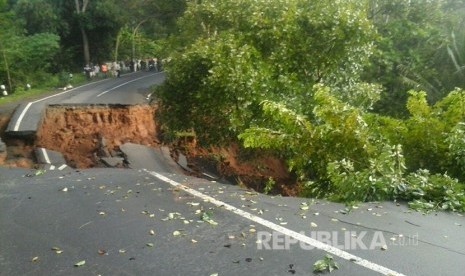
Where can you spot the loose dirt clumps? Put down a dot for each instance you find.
(14, 152)
(90, 135)
(250, 168)
(85, 133)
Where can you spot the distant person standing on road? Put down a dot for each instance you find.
(87, 71)
(104, 69)
(118, 69)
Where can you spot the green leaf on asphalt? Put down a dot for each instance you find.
(149, 244)
(57, 250)
(206, 216)
(40, 172)
(81, 263)
(326, 264)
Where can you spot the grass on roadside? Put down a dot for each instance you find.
(54, 84)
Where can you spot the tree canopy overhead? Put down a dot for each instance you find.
(262, 50)
(363, 99)
(79, 32)
(314, 81)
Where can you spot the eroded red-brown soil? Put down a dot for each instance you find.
(78, 132)
(251, 169)
(19, 151)
(83, 134)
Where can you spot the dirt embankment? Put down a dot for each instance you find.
(82, 133)
(18, 151)
(250, 168)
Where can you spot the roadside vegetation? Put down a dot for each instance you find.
(42, 42)
(363, 99)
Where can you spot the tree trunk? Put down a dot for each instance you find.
(118, 38)
(7, 68)
(85, 40)
(85, 45)
(134, 32)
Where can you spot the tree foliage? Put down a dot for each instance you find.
(313, 81)
(236, 61)
(44, 37)
(364, 100)
(420, 46)
(25, 58)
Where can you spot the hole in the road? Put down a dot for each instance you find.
(85, 134)
(88, 135)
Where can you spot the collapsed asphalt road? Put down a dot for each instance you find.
(84, 125)
(130, 89)
(138, 222)
(150, 219)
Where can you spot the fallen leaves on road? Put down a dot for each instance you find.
(57, 250)
(304, 206)
(206, 216)
(80, 263)
(102, 252)
(325, 264)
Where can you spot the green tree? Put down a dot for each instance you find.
(7, 32)
(416, 49)
(25, 58)
(146, 22)
(81, 9)
(239, 57)
(38, 16)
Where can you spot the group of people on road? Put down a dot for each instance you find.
(150, 64)
(104, 70)
(114, 69)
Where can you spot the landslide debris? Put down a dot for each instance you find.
(86, 134)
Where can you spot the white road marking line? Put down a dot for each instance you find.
(105, 92)
(45, 154)
(315, 243)
(23, 113)
(21, 116)
(62, 167)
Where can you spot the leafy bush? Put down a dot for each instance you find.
(239, 58)
(349, 155)
(297, 90)
(382, 180)
(426, 191)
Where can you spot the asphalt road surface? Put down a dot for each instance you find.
(130, 88)
(138, 222)
(153, 220)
